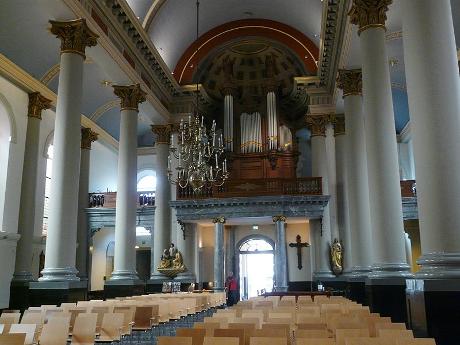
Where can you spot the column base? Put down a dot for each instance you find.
(124, 275)
(319, 275)
(439, 266)
(360, 272)
(390, 270)
(280, 289)
(432, 307)
(61, 274)
(123, 288)
(387, 296)
(57, 292)
(19, 295)
(23, 276)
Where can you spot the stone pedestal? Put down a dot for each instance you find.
(124, 288)
(356, 290)
(55, 293)
(387, 297)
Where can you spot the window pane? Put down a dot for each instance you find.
(255, 245)
(147, 184)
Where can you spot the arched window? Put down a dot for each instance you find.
(146, 181)
(49, 168)
(256, 245)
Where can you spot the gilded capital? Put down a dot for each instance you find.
(87, 137)
(279, 219)
(75, 35)
(229, 88)
(37, 103)
(350, 81)
(317, 124)
(130, 96)
(220, 220)
(271, 85)
(369, 13)
(338, 122)
(163, 133)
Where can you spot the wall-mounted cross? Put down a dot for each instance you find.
(299, 245)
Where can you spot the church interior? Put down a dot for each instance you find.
(285, 170)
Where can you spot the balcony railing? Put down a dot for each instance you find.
(109, 199)
(256, 187)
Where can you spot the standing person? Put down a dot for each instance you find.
(232, 289)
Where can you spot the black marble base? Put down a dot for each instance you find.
(387, 297)
(356, 291)
(19, 296)
(433, 308)
(122, 288)
(302, 286)
(55, 293)
(337, 285)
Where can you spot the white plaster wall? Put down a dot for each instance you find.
(406, 160)
(305, 274)
(103, 169)
(100, 241)
(7, 259)
(205, 253)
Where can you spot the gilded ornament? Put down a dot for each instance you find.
(171, 263)
(130, 96)
(279, 219)
(369, 13)
(163, 133)
(350, 81)
(336, 252)
(75, 35)
(317, 124)
(219, 220)
(37, 103)
(87, 137)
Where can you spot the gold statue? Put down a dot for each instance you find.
(165, 260)
(171, 263)
(337, 257)
(178, 262)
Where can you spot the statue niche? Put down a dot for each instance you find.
(171, 263)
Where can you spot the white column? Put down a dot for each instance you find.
(281, 269)
(272, 119)
(62, 230)
(433, 90)
(219, 253)
(358, 188)
(408, 244)
(343, 219)
(161, 235)
(332, 180)
(87, 137)
(228, 118)
(317, 125)
(382, 153)
(125, 218)
(24, 249)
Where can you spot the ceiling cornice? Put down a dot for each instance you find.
(26, 82)
(151, 13)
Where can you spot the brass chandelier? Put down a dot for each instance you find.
(198, 151)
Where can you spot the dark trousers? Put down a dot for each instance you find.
(232, 297)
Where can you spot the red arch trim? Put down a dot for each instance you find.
(300, 44)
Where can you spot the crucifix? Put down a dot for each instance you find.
(299, 245)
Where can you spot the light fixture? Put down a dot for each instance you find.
(136, 247)
(255, 227)
(198, 150)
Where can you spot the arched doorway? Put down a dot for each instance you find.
(256, 265)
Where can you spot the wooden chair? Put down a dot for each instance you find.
(268, 340)
(100, 312)
(128, 318)
(174, 341)
(394, 333)
(111, 326)
(7, 319)
(393, 325)
(368, 341)
(312, 311)
(55, 332)
(27, 329)
(220, 341)
(315, 341)
(418, 341)
(84, 330)
(372, 320)
(12, 339)
(342, 334)
(209, 327)
(143, 318)
(197, 334)
(231, 333)
(33, 318)
(312, 333)
(277, 326)
(242, 325)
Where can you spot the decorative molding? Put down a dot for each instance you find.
(130, 96)
(104, 108)
(87, 137)
(317, 124)
(279, 219)
(50, 74)
(339, 124)
(395, 35)
(75, 35)
(220, 220)
(37, 103)
(350, 81)
(163, 133)
(26, 82)
(151, 13)
(369, 14)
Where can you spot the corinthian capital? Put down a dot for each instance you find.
(163, 132)
(369, 13)
(87, 137)
(279, 219)
(350, 81)
(317, 124)
(75, 35)
(130, 96)
(220, 220)
(37, 103)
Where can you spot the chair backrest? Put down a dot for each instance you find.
(84, 329)
(12, 339)
(367, 341)
(142, 317)
(268, 340)
(394, 333)
(277, 326)
(312, 333)
(111, 326)
(220, 341)
(10, 318)
(209, 327)
(419, 341)
(33, 318)
(232, 333)
(27, 329)
(197, 334)
(55, 332)
(342, 334)
(270, 332)
(242, 325)
(313, 311)
(315, 341)
(128, 312)
(174, 341)
(385, 325)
